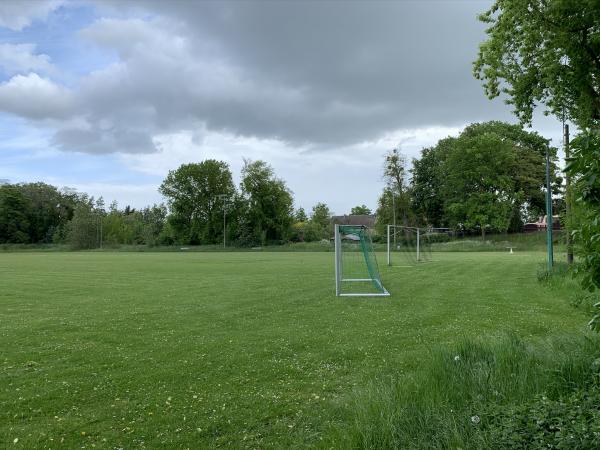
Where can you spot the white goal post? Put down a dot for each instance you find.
(356, 270)
(391, 234)
(414, 242)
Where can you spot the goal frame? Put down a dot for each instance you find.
(389, 241)
(339, 272)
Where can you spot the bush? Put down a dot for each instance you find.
(569, 422)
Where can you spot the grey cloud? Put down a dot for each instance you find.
(36, 98)
(103, 141)
(317, 74)
(18, 14)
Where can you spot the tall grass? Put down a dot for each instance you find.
(458, 398)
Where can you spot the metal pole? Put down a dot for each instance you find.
(549, 218)
(338, 269)
(389, 262)
(418, 244)
(394, 208)
(568, 196)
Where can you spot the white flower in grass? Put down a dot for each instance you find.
(475, 419)
(457, 358)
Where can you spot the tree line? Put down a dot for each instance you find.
(488, 179)
(203, 206)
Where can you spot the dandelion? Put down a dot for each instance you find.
(475, 419)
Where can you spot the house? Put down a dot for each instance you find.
(541, 224)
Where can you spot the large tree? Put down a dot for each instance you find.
(269, 204)
(394, 204)
(360, 210)
(479, 187)
(196, 194)
(428, 175)
(441, 169)
(543, 51)
(320, 226)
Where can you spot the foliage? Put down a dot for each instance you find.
(394, 204)
(479, 189)
(428, 176)
(35, 212)
(197, 194)
(300, 215)
(14, 225)
(543, 51)
(83, 231)
(490, 177)
(360, 210)
(584, 166)
(269, 203)
(570, 422)
(319, 226)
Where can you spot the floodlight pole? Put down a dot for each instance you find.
(549, 217)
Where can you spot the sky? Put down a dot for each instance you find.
(107, 96)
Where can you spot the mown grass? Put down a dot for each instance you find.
(246, 350)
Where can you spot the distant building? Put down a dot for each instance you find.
(542, 224)
(368, 220)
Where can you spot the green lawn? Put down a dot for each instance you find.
(252, 350)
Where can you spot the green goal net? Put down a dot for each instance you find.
(356, 269)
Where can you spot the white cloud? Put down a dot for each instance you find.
(34, 97)
(21, 58)
(18, 14)
(313, 176)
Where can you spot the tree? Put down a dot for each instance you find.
(480, 191)
(360, 210)
(14, 225)
(46, 212)
(196, 195)
(428, 175)
(269, 204)
(585, 167)
(431, 193)
(528, 172)
(320, 223)
(397, 189)
(543, 51)
(300, 215)
(396, 176)
(82, 230)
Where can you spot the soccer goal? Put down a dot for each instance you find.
(411, 245)
(356, 270)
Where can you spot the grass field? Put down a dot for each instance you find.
(195, 350)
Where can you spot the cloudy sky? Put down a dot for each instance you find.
(108, 96)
